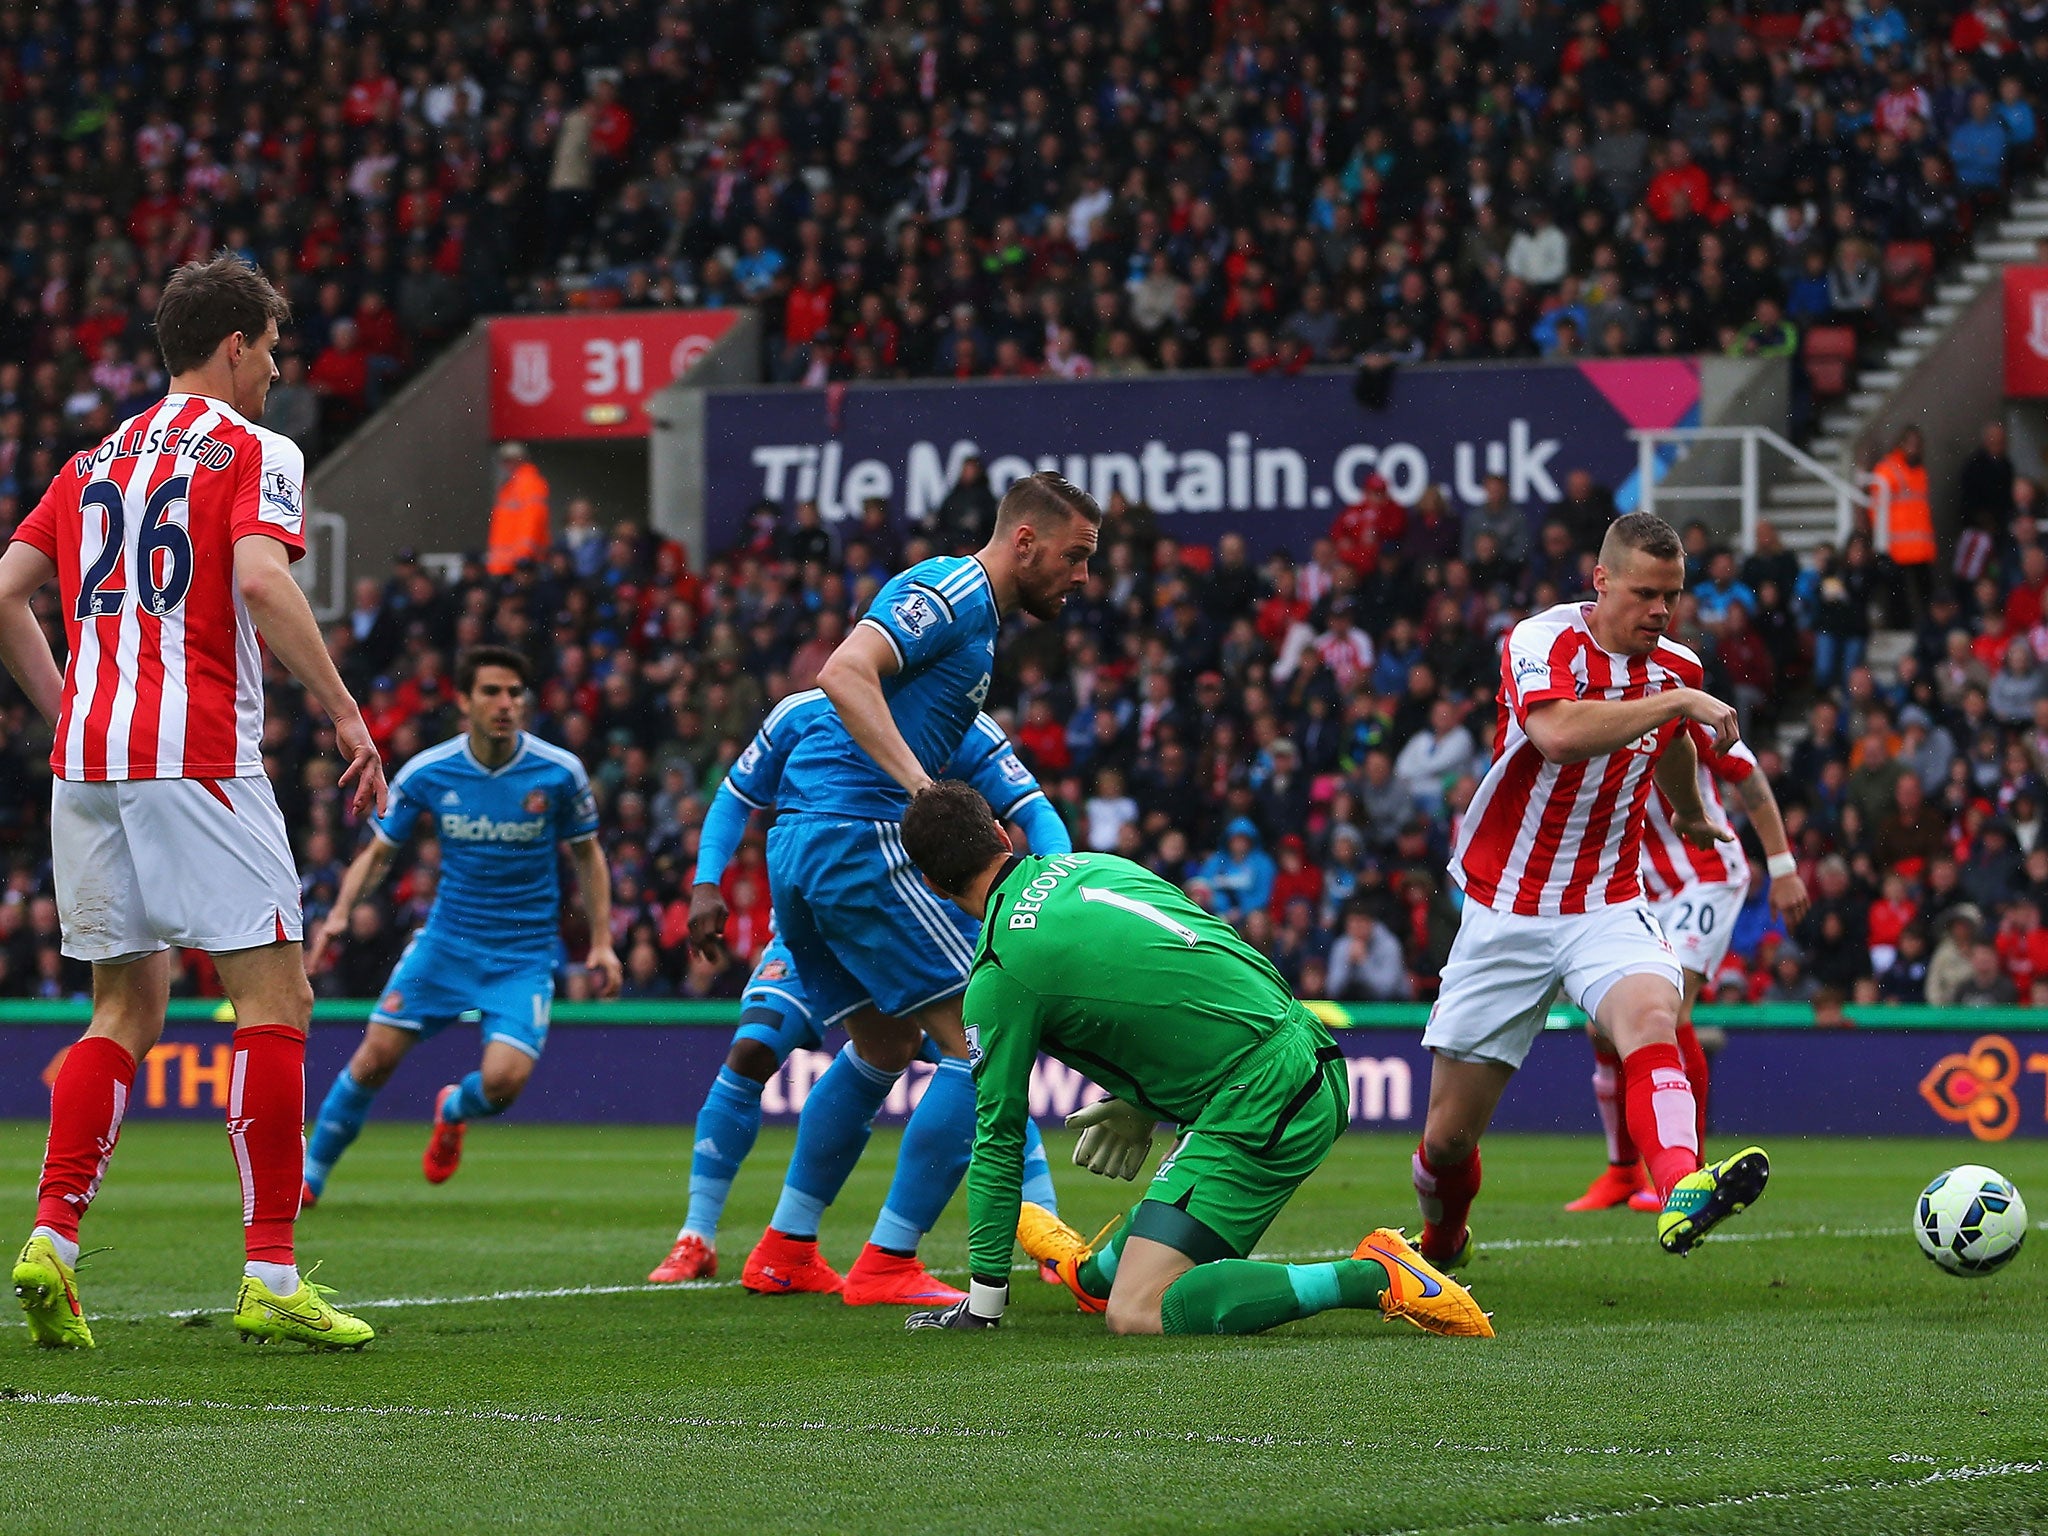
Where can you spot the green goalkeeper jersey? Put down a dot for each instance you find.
(1103, 965)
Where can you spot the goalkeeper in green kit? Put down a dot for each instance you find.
(1103, 965)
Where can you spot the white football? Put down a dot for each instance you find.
(1970, 1220)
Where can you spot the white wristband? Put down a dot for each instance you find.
(985, 1300)
(1781, 864)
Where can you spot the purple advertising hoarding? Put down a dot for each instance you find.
(1878, 1082)
(1272, 458)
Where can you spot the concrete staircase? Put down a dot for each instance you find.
(1803, 510)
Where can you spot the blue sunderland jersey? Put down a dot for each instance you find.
(501, 886)
(940, 618)
(985, 759)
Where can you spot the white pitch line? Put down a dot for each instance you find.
(1655, 1506)
(1317, 1255)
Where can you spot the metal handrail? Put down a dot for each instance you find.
(1849, 497)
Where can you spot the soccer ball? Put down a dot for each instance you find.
(1970, 1220)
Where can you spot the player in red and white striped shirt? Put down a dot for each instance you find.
(1594, 701)
(171, 545)
(1695, 894)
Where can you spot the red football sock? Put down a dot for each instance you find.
(1621, 1147)
(86, 1105)
(1445, 1195)
(1662, 1116)
(1695, 1060)
(266, 1128)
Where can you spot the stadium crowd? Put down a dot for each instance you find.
(985, 186)
(1292, 740)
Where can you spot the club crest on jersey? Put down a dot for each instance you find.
(536, 802)
(916, 613)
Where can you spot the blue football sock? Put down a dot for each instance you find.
(1037, 1171)
(468, 1101)
(726, 1128)
(831, 1133)
(933, 1159)
(340, 1121)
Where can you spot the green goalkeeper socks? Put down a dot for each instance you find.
(1244, 1296)
(1098, 1271)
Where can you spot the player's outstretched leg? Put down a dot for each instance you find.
(776, 1018)
(1160, 1289)
(837, 1120)
(491, 1090)
(348, 1102)
(929, 1168)
(726, 1127)
(1623, 1176)
(1704, 1199)
(87, 1103)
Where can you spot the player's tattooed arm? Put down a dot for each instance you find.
(1678, 775)
(594, 882)
(1788, 891)
(1574, 730)
(852, 680)
(23, 646)
(364, 875)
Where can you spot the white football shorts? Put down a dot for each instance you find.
(1700, 921)
(145, 864)
(1504, 970)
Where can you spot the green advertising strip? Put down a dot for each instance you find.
(725, 1013)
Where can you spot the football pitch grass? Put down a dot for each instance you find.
(1809, 1372)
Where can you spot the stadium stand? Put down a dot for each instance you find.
(1073, 188)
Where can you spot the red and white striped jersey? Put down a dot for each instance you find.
(1670, 863)
(1544, 839)
(165, 677)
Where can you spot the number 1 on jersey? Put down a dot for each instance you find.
(1143, 909)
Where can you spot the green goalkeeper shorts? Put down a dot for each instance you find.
(1242, 1160)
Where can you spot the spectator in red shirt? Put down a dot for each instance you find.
(808, 309)
(373, 96)
(2023, 944)
(1284, 609)
(1679, 178)
(1296, 877)
(1889, 917)
(2024, 605)
(1042, 740)
(611, 125)
(340, 375)
(1372, 520)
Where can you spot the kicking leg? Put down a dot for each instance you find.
(831, 1134)
(1623, 1176)
(1159, 1289)
(87, 1103)
(348, 1101)
(1462, 1098)
(490, 1090)
(929, 1168)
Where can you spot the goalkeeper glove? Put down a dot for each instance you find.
(1115, 1137)
(982, 1308)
